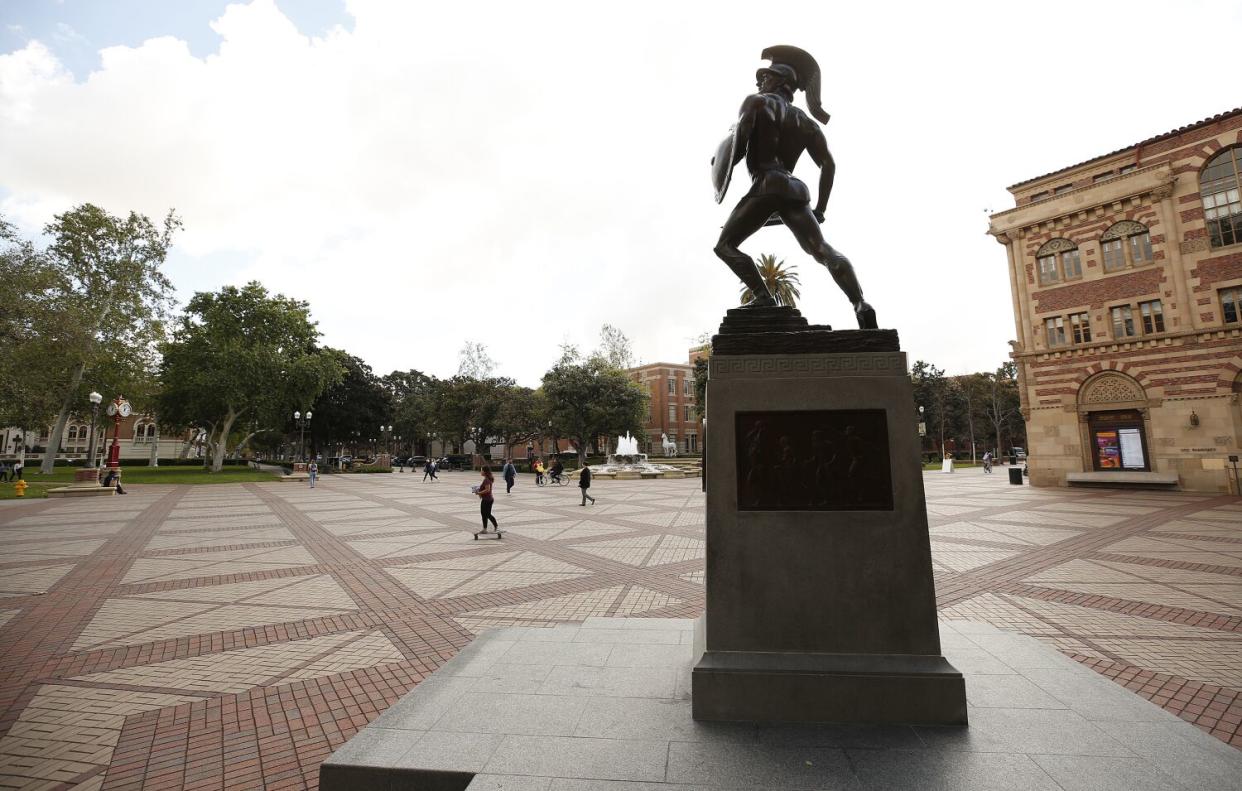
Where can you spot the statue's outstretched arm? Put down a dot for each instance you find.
(818, 149)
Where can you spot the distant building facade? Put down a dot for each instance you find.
(1126, 280)
(671, 409)
(138, 434)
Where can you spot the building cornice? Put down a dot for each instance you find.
(1156, 181)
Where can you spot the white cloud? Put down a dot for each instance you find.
(521, 173)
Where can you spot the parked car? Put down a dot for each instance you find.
(458, 461)
(416, 461)
(1019, 452)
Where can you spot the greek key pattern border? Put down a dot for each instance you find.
(808, 365)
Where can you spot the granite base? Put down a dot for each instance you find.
(605, 706)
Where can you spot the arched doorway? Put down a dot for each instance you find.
(1113, 409)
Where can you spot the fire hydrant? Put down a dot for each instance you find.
(20, 487)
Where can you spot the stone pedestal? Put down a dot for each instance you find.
(820, 600)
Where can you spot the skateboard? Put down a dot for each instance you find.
(498, 533)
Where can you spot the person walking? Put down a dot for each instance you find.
(4, 471)
(510, 473)
(17, 470)
(987, 462)
(313, 471)
(429, 470)
(539, 470)
(484, 491)
(584, 483)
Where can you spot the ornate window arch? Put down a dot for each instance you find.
(1058, 260)
(1125, 244)
(1219, 183)
(1110, 387)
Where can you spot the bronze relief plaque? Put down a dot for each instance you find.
(822, 460)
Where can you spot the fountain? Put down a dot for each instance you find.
(627, 462)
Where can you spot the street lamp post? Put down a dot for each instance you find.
(301, 422)
(118, 410)
(96, 399)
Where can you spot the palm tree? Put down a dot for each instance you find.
(782, 282)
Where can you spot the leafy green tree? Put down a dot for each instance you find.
(29, 374)
(412, 392)
(782, 282)
(351, 408)
(241, 354)
(98, 304)
(521, 417)
(700, 386)
(588, 399)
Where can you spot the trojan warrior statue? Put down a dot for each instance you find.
(772, 134)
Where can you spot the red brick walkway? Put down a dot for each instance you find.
(233, 636)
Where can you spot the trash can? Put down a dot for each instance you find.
(1015, 476)
(1013, 459)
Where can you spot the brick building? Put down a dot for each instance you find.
(137, 436)
(1126, 279)
(671, 410)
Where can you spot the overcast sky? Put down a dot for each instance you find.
(521, 173)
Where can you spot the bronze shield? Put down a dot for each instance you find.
(722, 165)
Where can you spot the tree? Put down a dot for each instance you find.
(590, 399)
(1003, 402)
(412, 392)
(352, 408)
(110, 301)
(782, 282)
(240, 353)
(29, 369)
(931, 391)
(615, 347)
(969, 391)
(521, 417)
(700, 385)
(474, 362)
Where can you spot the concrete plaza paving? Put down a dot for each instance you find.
(234, 636)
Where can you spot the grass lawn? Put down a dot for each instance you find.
(39, 484)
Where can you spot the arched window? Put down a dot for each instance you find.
(1222, 208)
(151, 431)
(1126, 243)
(73, 433)
(1058, 260)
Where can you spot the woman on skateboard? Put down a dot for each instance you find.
(484, 491)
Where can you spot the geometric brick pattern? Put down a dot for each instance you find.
(233, 636)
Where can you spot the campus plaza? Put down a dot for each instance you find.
(234, 636)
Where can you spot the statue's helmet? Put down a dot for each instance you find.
(800, 71)
(782, 70)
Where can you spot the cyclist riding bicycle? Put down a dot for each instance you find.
(556, 471)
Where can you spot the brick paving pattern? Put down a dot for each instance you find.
(233, 636)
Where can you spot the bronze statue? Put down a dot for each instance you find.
(772, 134)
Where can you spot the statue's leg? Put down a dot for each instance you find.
(746, 218)
(806, 230)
